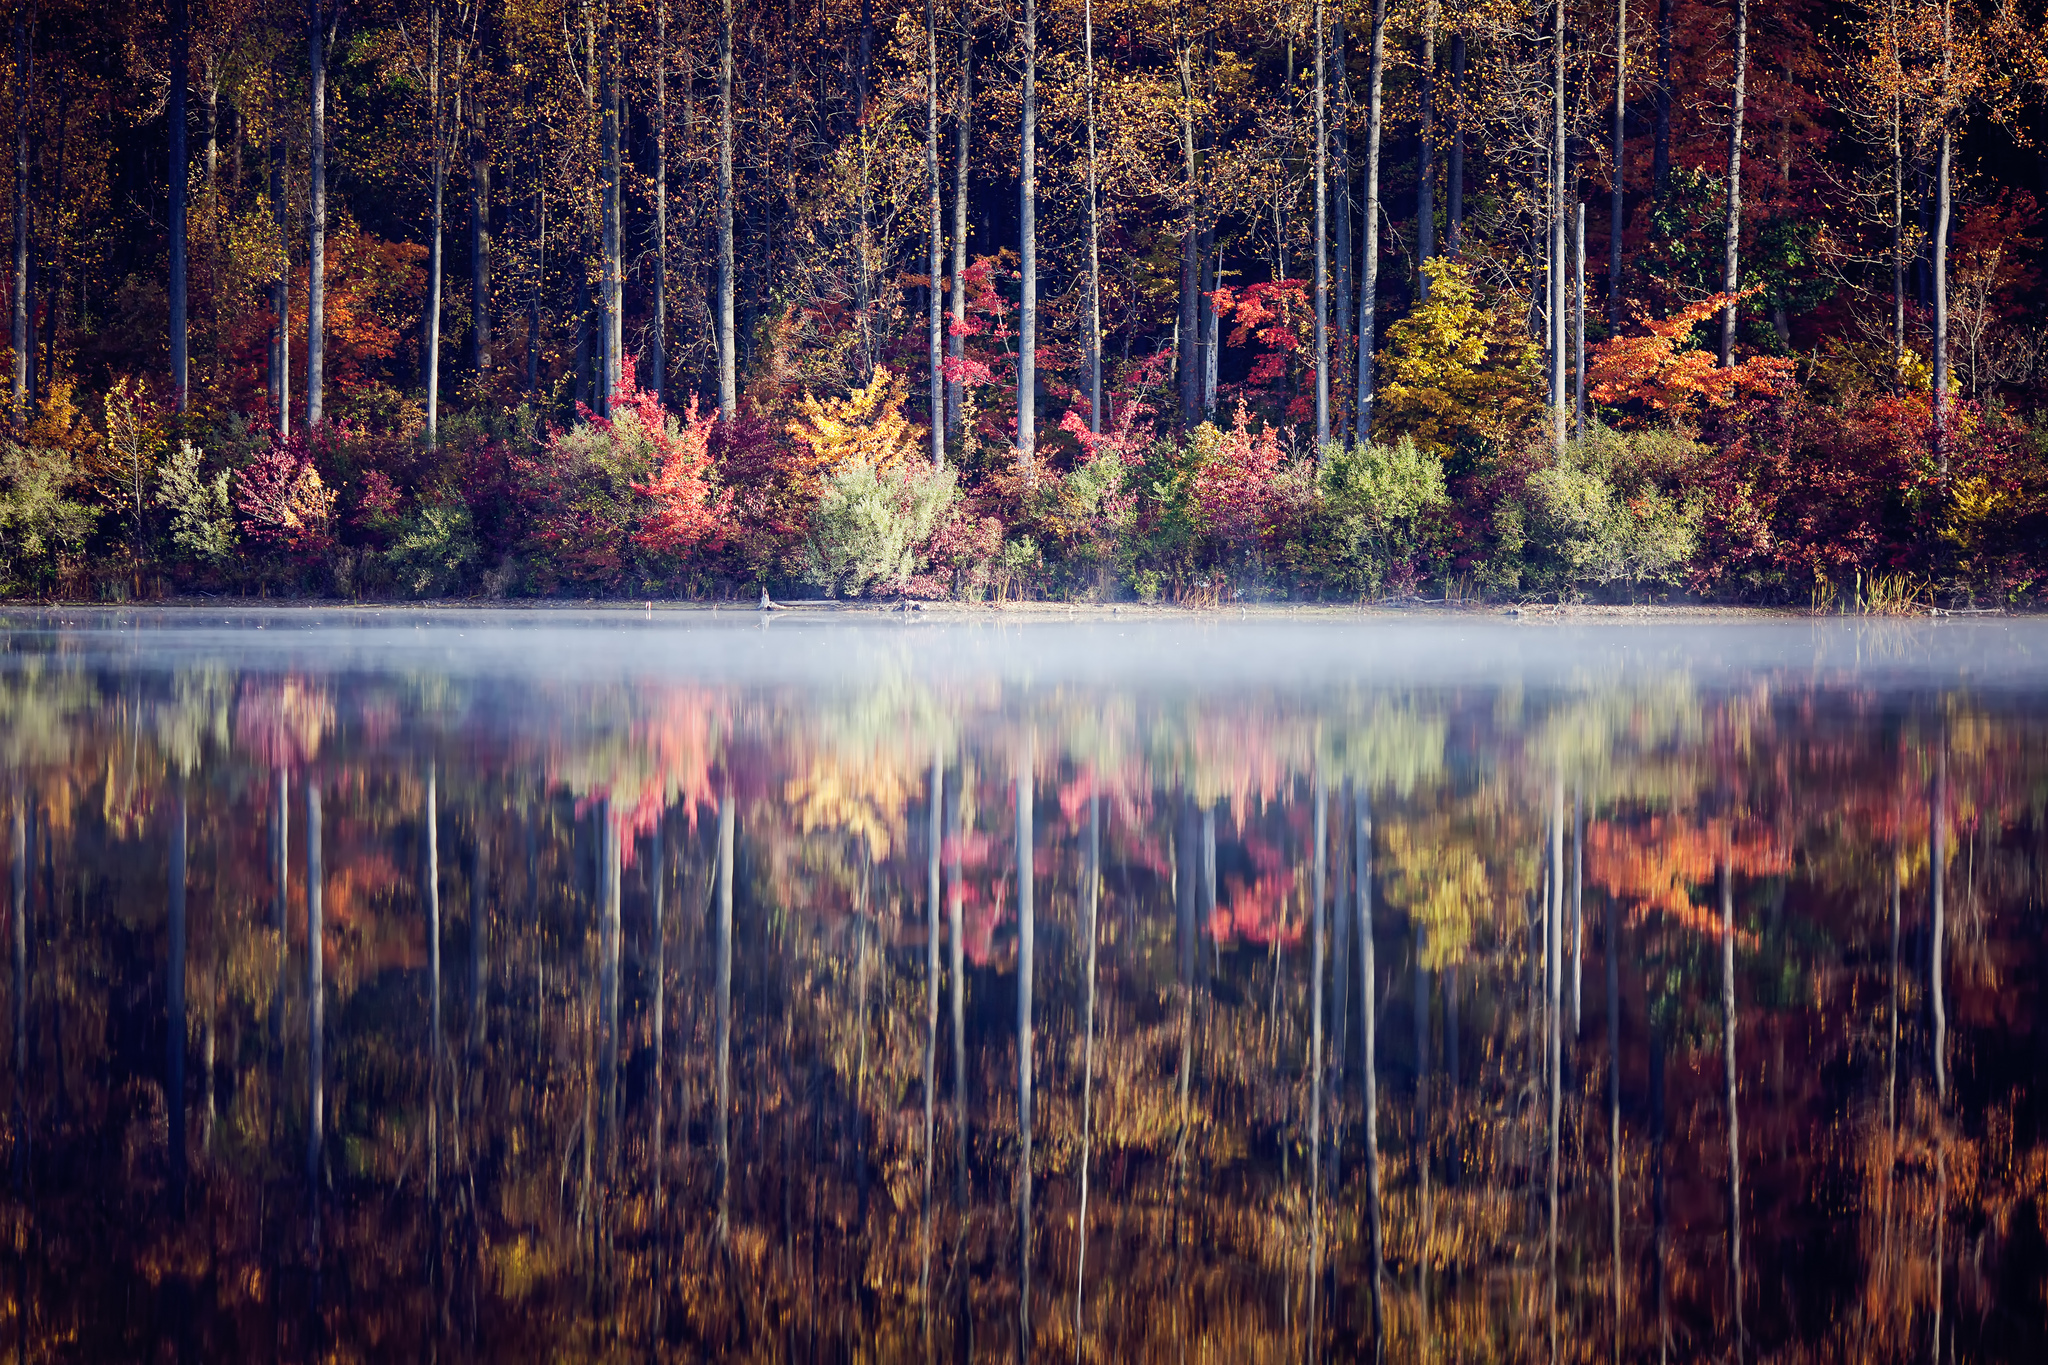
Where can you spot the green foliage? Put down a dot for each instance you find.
(1365, 518)
(869, 525)
(436, 551)
(39, 523)
(202, 512)
(1609, 513)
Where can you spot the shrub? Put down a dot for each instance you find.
(435, 553)
(202, 513)
(1364, 519)
(38, 521)
(1609, 512)
(869, 526)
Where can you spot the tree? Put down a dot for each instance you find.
(1456, 374)
(1731, 274)
(1369, 269)
(181, 64)
(1027, 245)
(728, 360)
(320, 30)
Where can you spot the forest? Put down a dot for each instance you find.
(1080, 300)
(423, 1013)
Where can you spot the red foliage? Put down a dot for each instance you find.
(283, 501)
(1276, 315)
(686, 509)
(1234, 486)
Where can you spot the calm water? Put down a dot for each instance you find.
(642, 985)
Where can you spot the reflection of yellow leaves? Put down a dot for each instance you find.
(1438, 877)
(866, 800)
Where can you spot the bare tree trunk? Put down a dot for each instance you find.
(963, 129)
(728, 364)
(935, 360)
(611, 273)
(1731, 247)
(1026, 945)
(1660, 155)
(24, 377)
(280, 289)
(1941, 231)
(1454, 173)
(1578, 434)
(1425, 154)
(432, 348)
(181, 64)
(1559, 152)
(863, 238)
(1095, 413)
(1369, 269)
(658, 357)
(1322, 263)
(479, 245)
(1898, 155)
(316, 255)
(1341, 131)
(1187, 356)
(1619, 189)
(1027, 255)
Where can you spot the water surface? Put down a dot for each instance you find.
(637, 984)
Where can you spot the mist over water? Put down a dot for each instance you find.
(640, 983)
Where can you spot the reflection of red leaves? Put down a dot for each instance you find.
(281, 721)
(1655, 864)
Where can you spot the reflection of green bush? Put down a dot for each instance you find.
(869, 525)
(1608, 513)
(38, 523)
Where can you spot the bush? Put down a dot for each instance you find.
(202, 513)
(436, 551)
(38, 522)
(869, 526)
(1609, 512)
(1365, 519)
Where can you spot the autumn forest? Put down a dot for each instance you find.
(1089, 300)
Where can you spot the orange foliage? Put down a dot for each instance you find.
(1653, 370)
(1654, 865)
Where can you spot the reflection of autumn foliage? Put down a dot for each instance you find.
(863, 799)
(280, 722)
(1654, 864)
(1436, 874)
(1256, 909)
(658, 755)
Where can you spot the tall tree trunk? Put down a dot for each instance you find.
(1660, 154)
(1941, 230)
(1094, 372)
(1425, 154)
(611, 307)
(1578, 434)
(1322, 264)
(963, 144)
(658, 348)
(479, 245)
(1898, 157)
(1734, 1127)
(181, 64)
(432, 348)
(1026, 944)
(1027, 255)
(1618, 191)
(1340, 349)
(1560, 149)
(1368, 1004)
(863, 239)
(1369, 268)
(728, 362)
(1731, 246)
(1091, 903)
(721, 1125)
(935, 398)
(23, 392)
(174, 1004)
(1454, 173)
(1187, 357)
(280, 287)
(316, 254)
(540, 272)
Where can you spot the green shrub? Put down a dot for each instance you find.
(1610, 512)
(202, 513)
(436, 551)
(38, 523)
(1364, 519)
(869, 526)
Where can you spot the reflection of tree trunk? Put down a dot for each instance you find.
(1340, 968)
(479, 939)
(1659, 1276)
(1734, 1132)
(280, 847)
(1937, 876)
(1091, 901)
(17, 843)
(608, 987)
(1451, 1145)
(1027, 930)
(1553, 944)
(1184, 886)
(174, 1041)
(934, 839)
(721, 1127)
(657, 1189)
(1579, 820)
(1315, 1111)
(1613, 955)
(430, 892)
(316, 1005)
(1422, 1154)
(1361, 842)
(1891, 1087)
(955, 895)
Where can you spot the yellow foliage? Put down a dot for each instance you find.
(1438, 877)
(1454, 372)
(867, 423)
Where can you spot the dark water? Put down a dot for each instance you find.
(635, 985)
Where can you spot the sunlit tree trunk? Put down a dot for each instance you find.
(23, 393)
(1094, 373)
(1187, 356)
(1322, 259)
(432, 347)
(721, 1126)
(1560, 149)
(1731, 245)
(1618, 191)
(280, 286)
(657, 362)
(1898, 159)
(611, 271)
(180, 73)
(728, 362)
(1425, 153)
(1578, 434)
(316, 254)
(1341, 134)
(1454, 170)
(963, 143)
(1027, 244)
(934, 298)
(1368, 1010)
(1369, 266)
(1943, 159)
(1091, 902)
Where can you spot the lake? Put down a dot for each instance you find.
(824, 986)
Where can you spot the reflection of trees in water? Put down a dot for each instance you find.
(694, 1097)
